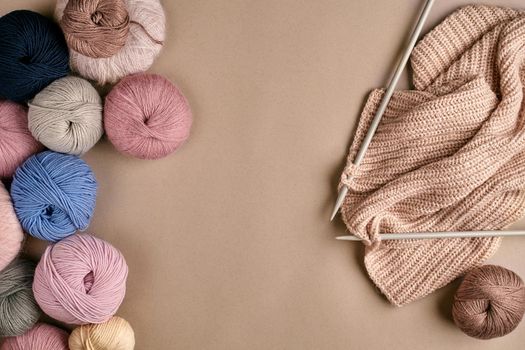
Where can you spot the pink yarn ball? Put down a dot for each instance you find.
(11, 234)
(16, 142)
(80, 280)
(146, 116)
(40, 337)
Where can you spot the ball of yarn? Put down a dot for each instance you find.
(489, 303)
(16, 142)
(128, 37)
(54, 195)
(11, 234)
(41, 337)
(146, 116)
(67, 116)
(115, 334)
(18, 309)
(96, 28)
(33, 53)
(80, 280)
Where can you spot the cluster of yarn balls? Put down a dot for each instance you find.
(51, 113)
(81, 279)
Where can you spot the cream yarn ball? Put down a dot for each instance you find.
(11, 233)
(115, 334)
(143, 42)
(66, 116)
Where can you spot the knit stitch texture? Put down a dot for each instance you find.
(447, 156)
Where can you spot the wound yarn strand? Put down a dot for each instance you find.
(66, 116)
(17, 303)
(489, 303)
(81, 280)
(115, 334)
(11, 234)
(33, 53)
(54, 195)
(41, 337)
(124, 48)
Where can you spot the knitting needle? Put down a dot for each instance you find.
(432, 235)
(386, 99)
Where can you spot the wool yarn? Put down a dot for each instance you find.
(95, 28)
(66, 116)
(115, 334)
(447, 156)
(18, 309)
(41, 337)
(110, 39)
(489, 303)
(11, 234)
(33, 53)
(80, 280)
(146, 116)
(54, 195)
(16, 142)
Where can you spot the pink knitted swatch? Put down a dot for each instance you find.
(16, 142)
(146, 116)
(448, 156)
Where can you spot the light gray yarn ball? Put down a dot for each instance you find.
(66, 116)
(18, 309)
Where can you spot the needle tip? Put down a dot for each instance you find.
(334, 213)
(339, 202)
(348, 238)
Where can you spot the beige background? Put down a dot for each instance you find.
(228, 241)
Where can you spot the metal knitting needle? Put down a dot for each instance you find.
(432, 235)
(386, 99)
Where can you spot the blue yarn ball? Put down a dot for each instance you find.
(54, 195)
(33, 53)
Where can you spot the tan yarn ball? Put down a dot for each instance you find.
(115, 334)
(489, 303)
(66, 116)
(95, 28)
(136, 30)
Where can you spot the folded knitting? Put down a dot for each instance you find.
(447, 156)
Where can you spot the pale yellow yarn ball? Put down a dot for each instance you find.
(115, 334)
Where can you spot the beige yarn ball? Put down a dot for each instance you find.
(115, 334)
(66, 116)
(145, 33)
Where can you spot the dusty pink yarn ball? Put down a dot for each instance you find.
(146, 116)
(11, 234)
(40, 337)
(80, 280)
(16, 142)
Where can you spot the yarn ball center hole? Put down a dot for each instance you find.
(89, 279)
(96, 17)
(25, 60)
(48, 212)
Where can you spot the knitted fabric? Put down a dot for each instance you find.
(447, 156)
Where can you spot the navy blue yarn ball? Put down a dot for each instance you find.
(54, 195)
(33, 53)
